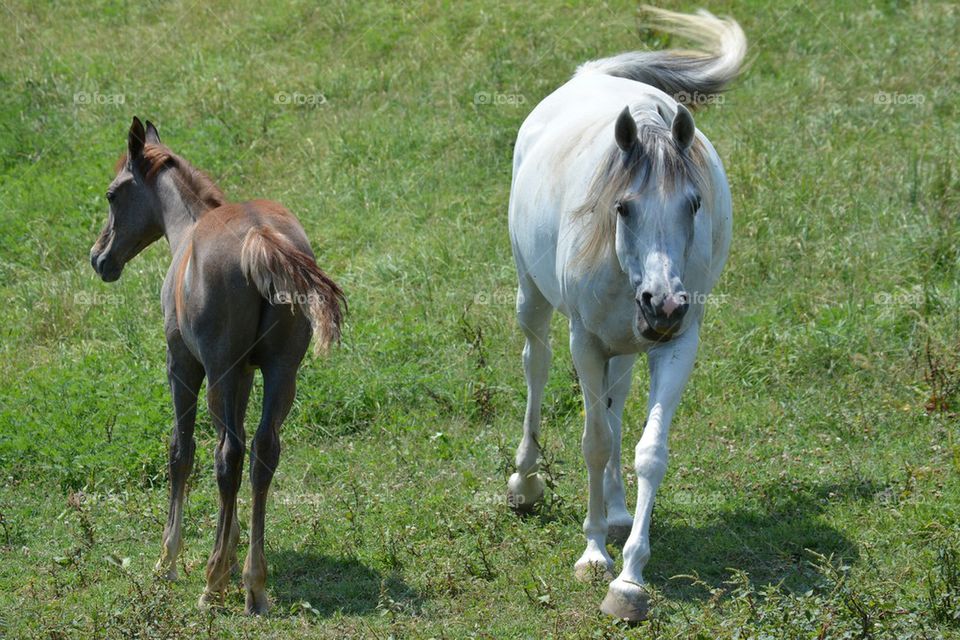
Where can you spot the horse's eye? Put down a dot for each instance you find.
(621, 210)
(696, 204)
(111, 195)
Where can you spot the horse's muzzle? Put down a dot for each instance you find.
(660, 315)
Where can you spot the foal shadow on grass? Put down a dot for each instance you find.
(771, 542)
(332, 584)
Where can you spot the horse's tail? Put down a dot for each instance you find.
(284, 274)
(689, 76)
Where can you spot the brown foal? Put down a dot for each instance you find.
(243, 292)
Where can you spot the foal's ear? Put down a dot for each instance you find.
(136, 139)
(153, 136)
(683, 128)
(625, 130)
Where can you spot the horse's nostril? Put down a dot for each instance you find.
(646, 299)
(683, 298)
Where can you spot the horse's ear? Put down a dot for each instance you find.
(625, 130)
(153, 136)
(683, 128)
(136, 139)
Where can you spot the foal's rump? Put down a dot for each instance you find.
(276, 259)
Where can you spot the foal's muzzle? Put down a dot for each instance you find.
(105, 266)
(660, 314)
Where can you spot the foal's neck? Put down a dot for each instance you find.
(179, 214)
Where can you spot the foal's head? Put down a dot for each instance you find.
(655, 213)
(135, 218)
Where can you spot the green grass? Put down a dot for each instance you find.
(813, 485)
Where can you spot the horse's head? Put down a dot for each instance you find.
(655, 219)
(134, 220)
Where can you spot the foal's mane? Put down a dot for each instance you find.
(656, 157)
(194, 185)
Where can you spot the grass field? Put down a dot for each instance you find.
(813, 487)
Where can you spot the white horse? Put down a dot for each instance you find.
(620, 217)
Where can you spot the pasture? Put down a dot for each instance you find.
(812, 488)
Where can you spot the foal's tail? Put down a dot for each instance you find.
(691, 77)
(285, 274)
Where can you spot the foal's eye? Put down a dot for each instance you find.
(111, 195)
(621, 210)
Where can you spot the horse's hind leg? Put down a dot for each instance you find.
(525, 487)
(223, 393)
(617, 379)
(279, 390)
(185, 375)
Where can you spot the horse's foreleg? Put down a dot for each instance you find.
(596, 444)
(617, 379)
(279, 390)
(222, 395)
(670, 367)
(185, 376)
(525, 487)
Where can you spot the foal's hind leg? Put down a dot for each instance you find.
(223, 393)
(525, 487)
(243, 398)
(616, 381)
(185, 375)
(279, 390)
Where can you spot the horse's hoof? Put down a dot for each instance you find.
(257, 604)
(524, 492)
(593, 571)
(627, 601)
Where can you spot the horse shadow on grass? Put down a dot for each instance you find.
(772, 542)
(331, 584)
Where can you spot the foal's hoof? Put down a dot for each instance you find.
(165, 571)
(257, 604)
(524, 492)
(209, 600)
(627, 601)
